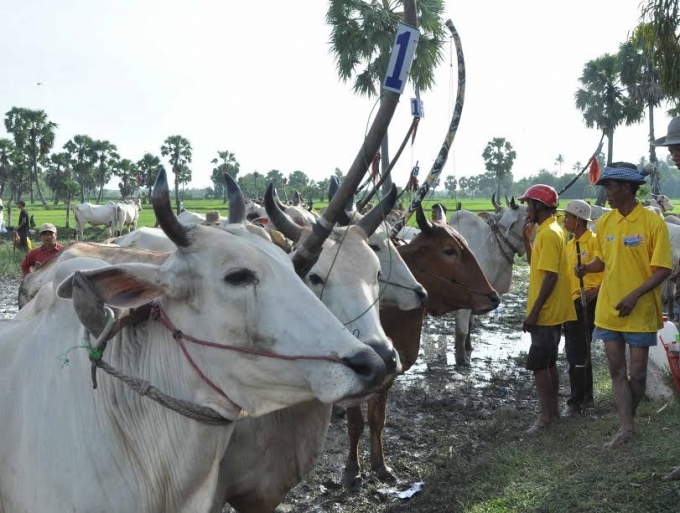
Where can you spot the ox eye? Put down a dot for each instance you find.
(374, 247)
(450, 252)
(241, 278)
(315, 279)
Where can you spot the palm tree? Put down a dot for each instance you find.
(604, 103)
(83, 158)
(59, 178)
(362, 37)
(7, 151)
(178, 149)
(559, 161)
(660, 33)
(33, 136)
(498, 159)
(642, 82)
(149, 167)
(106, 155)
(127, 171)
(227, 163)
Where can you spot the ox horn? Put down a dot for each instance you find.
(370, 222)
(160, 198)
(281, 220)
(296, 198)
(423, 223)
(237, 204)
(496, 205)
(333, 186)
(513, 205)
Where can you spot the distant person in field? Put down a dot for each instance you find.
(22, 227)
(34, 259)
(636, 259)
(549, 303)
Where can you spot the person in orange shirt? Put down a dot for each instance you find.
(549, 303)
(34, 259)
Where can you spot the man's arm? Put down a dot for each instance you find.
(626, 305)
(526, 238)
(547, 286)
(594, 266)
(27, 263)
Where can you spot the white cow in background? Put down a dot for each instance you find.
(494, 239)
(2, 218)
(127, 214)
(111, 450)
(95, 215)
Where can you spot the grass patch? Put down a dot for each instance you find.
(494, 467)
(10, 259)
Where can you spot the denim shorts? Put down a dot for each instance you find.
(636, 339)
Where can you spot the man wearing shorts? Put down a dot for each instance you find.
(549, 303)
(636, 259)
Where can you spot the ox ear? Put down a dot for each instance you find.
(120, 286)
(333, 186)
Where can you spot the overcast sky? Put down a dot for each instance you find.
(257, 78)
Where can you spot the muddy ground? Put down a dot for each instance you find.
(434, 396)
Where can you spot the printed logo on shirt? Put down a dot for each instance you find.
(633, 240)
(609, 238)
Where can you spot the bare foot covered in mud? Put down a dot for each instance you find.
(621, 437)
(673, 475)
(539, 426)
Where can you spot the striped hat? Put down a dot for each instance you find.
(621, 174)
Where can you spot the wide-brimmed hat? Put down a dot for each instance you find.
(47, 227)
(578, 208)
(212, 217)
(621, 174)
(672, 136)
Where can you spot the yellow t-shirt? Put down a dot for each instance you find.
(630, 247)
(548, 255)
(589, 250)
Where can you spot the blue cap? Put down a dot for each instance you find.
(621, 174)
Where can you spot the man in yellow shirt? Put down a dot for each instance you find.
(636, 258)
(548, 302)
(577, 333)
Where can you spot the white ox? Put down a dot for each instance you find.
(344, 278)
(494, 239)
(95, 215)
(110, 450)
(127, 214)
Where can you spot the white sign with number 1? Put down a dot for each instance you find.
(401, 58)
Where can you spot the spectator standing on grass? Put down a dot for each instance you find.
(636, 258)
(34, 259)
(22, 227)
(577, 334)
(548, 300)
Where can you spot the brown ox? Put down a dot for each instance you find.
(442, 262)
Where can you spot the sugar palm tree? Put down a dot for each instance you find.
(149, 166)
(127, 171)
(361, 39)
(83, 158)
(59, 178)
(34, 136)
(604, 103)
(7, 151)
(641, 79)
(106, 155)
(660, 30)
(499, 157)
(225, 163)
(178, 150)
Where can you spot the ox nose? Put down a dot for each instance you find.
(495, 299)
(368, 366)
(388, 355)
(422, 295)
